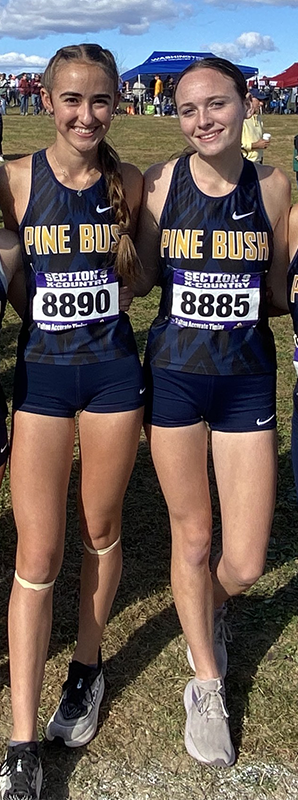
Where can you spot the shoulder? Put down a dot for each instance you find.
(273, 176)
(10, 254)
(293, 231)
(132, 184)
(157, 182)
(15, 179)
(276, 191)
(131, 174)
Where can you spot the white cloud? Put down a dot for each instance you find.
(20, 60)
(44, 17)
(226, 3)
(247, 44)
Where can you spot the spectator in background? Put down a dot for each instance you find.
(1, 135)
(35, 94)
(3, 92)
(158, 94)
(295, 158)
(252, 131)
(11, 93)
(24, 93)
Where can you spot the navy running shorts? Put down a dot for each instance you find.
(232, 403)
(60, 391)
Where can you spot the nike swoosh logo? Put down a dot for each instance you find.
(101, 210)
(264, 421)
(142, 390)
(240, 216)
(3, 448)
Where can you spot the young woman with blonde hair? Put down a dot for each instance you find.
(75, 207)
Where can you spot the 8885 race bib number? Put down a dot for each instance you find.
(71, 299)
(215, 301)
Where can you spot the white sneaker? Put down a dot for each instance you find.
(207, 733)
(76, 718)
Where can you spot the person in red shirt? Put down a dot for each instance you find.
(24, 92)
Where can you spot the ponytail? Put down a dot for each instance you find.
(127, 264)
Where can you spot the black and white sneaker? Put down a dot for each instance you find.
(76, 718)
(21, 773)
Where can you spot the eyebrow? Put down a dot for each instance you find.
(211, 97)
(104, 95)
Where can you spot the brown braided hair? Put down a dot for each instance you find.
(126, 263)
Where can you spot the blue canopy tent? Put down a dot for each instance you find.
(171, 63)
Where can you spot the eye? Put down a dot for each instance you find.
(217, 103)
(187, 112)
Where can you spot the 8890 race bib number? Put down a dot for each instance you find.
(70, 300)
(215, 301)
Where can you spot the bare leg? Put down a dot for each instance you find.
(40, 468)
(108, 449)
(245, 466)
(180, 458)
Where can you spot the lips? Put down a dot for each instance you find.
(206, 137)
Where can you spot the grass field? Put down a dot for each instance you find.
(139, 752)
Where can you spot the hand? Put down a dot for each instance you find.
(261, 144)
(126, 296)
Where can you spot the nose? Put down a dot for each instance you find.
(203, 120)
(86, 113)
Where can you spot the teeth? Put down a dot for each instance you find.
(85, 130)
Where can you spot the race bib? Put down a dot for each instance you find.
(215, 301)
(71, 299)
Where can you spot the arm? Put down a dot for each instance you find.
(156, 184)
(276, 193)
(248, 131)
(10, 256)
(293, 231)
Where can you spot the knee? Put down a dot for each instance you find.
(38, 568)
(192, 545)
(243, 574)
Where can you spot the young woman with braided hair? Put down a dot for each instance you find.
(75, 207)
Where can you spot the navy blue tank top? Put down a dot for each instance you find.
(68, 240)
(215, 253)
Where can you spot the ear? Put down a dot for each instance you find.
(116, 101)
(248, 106)
(46, 100)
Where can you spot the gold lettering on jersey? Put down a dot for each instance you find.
(58, 238)
(251, 251)
(219, 244)
(294, 289)
(181, 243)
(233, 245)
(263, 247)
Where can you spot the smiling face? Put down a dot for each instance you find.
(211, 111)
(82, 102)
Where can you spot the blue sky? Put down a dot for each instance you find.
(260, 33)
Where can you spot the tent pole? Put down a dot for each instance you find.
(140, 105)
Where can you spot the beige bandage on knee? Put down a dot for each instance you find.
(103, 551)
(36, 586)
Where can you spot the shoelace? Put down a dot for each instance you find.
(74, 702)
(21, 780)
(211, 702)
